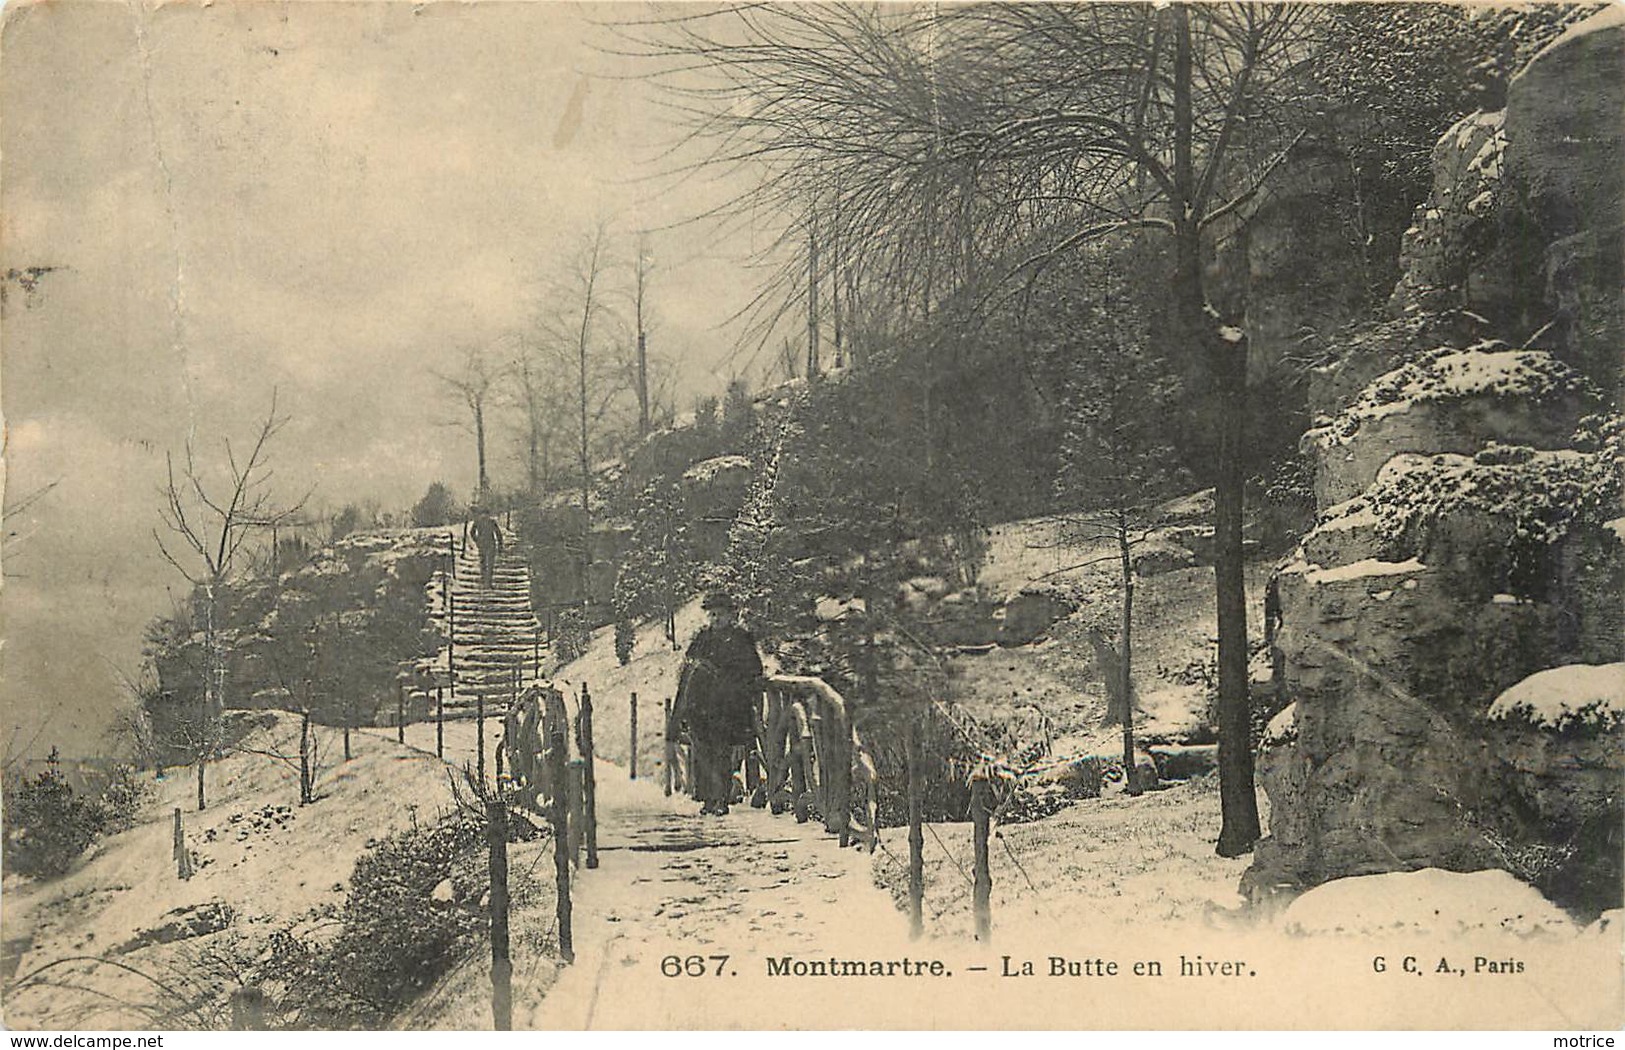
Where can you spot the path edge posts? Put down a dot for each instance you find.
(916, 838)
(632, 750)
(496, 827)
(982, 875)
(559, 816)
(670, 745)
(589, 778)
(479, 736)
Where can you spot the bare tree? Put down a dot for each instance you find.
(473, 384)
(588, 337)
(208, 521)
(538, 388)
(642, 268)
(972, 146)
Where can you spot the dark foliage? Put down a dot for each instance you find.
(47, 823)
(396, 938)
(437, 507)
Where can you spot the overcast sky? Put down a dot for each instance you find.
(326, 198)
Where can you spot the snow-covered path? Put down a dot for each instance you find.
(673, 884)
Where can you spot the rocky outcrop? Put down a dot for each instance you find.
(1030, 613)
(335, 631)
(1468, 539)
(1525, 221)
(1565, 165)
(1448, 400)
(1559, 762)
(713, 491)
(1457, 224)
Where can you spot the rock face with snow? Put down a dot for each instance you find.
(1560, 766)
(1565, 165)
(1448, 400)
(1453, 226)
(1525, 222)
(1448, 635)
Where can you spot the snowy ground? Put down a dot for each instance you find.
(1108, 882)
(259, 853)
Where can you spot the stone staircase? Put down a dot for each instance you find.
(493, 631)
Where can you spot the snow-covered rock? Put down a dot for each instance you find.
(1584, 697)
(1565, 159)
(1448, 401)
(1431, 901)
(1448, 229)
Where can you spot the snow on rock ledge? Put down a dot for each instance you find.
(1431, 901)
(1576, 696)
(1283, 728)
(1448, 401)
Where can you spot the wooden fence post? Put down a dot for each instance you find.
(589, 778)
(496, 830)
(670, 746)
(558, 764)
(451, 644)
(183, 859)
(800, 761)
(916, 840)
(479, 735)
(835, 768)
(577, 816)
(307, 787)
(982, 876)
(400, 711)
(440, 721)
(634, 735)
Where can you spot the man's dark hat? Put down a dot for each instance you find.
(719, 600)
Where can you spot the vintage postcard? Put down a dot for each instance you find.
(707, 516)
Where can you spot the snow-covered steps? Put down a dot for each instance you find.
(495, 645)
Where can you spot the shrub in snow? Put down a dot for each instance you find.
(397, 940)
(626, 637)
(47, 823)
(1580, 697)
(396, 935)
(571, 635)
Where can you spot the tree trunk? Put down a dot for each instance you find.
(584, 454)
(1197, 327)
(643, 375)
(479, 445)
(534, 453)
(304, 759)
(812, 298)
(1237, 798)
(1126, 651)
(916, 839)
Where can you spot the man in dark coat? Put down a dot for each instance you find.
(719, 694)
(488, 538)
